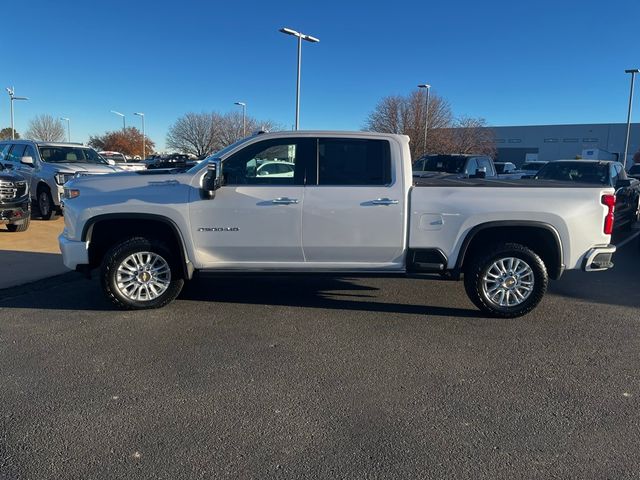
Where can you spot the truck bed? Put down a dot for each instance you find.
(450, 181)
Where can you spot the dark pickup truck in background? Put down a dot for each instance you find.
(599, 172)
(457, 165)
(15, 205)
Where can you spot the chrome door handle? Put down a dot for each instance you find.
(384, 201)
(284, 201)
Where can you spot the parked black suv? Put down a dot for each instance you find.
(15, 205)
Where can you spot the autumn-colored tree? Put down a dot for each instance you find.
(127, 141)
(5, 134)
(471, 135)
(203, 133)
(407, 115)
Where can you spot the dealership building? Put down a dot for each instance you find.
(554, 142)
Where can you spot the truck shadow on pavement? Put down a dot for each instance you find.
(311, 292)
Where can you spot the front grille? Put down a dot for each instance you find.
(12, 190)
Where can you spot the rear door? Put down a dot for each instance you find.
(354, 207)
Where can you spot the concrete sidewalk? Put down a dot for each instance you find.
(32, 255)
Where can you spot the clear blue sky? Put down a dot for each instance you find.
(507, 61)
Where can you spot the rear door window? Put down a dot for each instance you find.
(350, 161)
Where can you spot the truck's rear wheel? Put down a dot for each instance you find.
(508, 282)
(139, 274)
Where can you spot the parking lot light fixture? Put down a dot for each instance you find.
(144, 138)
(68, 120)
(633, 72)
(124, 125)
(12, 97)
(301, 36)
(244, 117)
(426, 115)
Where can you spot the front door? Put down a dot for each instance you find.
(255, 219)
(353, 217)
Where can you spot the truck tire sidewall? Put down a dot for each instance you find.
(117, 254)
(44, 199)
(479, 267)
(22, 227)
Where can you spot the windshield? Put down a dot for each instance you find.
(500, 167)
(218, 154)
(116, 157)
(68, 154)
(442, 163)
(532, 166)
(575, 172)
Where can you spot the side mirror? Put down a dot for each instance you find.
(111, 162)
(27, 161)
(211, 179)
(623, 183)
(480, 173)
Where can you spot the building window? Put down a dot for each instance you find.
(515, 140)
(570, 140)
(590, 140)
(550, 140)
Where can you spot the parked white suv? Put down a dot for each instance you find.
(48, 166)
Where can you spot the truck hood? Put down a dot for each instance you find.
(128, 181)
(9, 176)
(84, 167)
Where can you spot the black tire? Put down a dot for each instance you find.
(479, 268)
(12, 227)
(45, 203)
(123, 250)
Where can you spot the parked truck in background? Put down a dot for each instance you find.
(349, 207)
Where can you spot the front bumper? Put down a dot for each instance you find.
(15, 212)
(598, 258)
(74, 253)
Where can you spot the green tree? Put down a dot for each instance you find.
(5, 134)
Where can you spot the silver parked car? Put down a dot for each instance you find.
(47, 166)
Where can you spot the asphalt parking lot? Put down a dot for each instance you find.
(322, 378)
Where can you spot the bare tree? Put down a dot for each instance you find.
(407, 115)
(46, 128)
(204, 133)
(471, 135)
(194, 133)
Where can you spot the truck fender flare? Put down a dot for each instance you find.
(87, 230)
(514, 223)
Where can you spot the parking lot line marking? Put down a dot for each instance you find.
(627, 240)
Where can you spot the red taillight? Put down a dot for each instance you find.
(610, 202)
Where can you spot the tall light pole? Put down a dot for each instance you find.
(426, 115)
(12, 97)
(124, 125)
(144, 138)
(68, 120)
(244, 117)
(301, 36)
(633, 72)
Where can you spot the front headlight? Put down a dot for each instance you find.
(62, 178)
(70, 193)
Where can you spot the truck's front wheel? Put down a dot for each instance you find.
(507, 282)
(140, 274)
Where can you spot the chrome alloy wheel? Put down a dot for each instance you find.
(508, 282)
(143, 276)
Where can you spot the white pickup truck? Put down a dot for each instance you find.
(342, 203)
